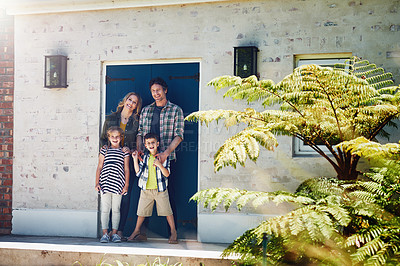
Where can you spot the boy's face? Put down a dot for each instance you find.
(151, 144)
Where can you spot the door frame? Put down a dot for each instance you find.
(149, 62)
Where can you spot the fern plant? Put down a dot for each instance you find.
(318, 105)
(336, 222)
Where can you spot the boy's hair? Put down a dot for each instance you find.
(158, 81)
(115, 128)
(151, 136)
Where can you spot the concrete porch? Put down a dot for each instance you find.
(36, 250)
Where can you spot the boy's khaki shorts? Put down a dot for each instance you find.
(146, 203)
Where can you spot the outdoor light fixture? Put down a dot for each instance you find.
(245, 63)
(55, 71)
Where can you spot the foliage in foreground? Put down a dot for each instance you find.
(156, 262)
(336, 222)
(318, 105)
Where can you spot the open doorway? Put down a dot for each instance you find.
(183, 89)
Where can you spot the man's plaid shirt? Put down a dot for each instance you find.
(171, 124)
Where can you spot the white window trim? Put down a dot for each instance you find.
(299, 148)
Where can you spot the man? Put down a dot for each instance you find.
(166, 120)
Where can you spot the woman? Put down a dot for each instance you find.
(127, 118)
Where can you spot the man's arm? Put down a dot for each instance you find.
(139, 143)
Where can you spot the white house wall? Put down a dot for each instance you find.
(56, 131)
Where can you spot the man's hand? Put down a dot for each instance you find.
(162, 157)
(157, 162)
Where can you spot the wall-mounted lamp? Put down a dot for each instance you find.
(245, 62)
(55, 71)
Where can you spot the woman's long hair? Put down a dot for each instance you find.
(138, 106)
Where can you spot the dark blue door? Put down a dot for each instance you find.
(183, 90)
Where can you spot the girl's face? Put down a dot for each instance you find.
(115, 138)
(131, 103)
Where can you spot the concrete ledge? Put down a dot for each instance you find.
(51, 222)
(21, 250)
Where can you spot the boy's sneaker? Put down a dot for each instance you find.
(116, 238)
(105, 238)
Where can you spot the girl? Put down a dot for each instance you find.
(112, 179)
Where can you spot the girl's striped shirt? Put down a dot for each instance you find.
(112, 175)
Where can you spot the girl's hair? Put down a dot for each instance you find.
(113, 129)
(138, 106)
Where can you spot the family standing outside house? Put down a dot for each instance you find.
(159, 128)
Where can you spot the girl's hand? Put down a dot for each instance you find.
(125, 190)
(97, 187)
(126, 149)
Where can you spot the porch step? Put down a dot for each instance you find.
(34, 250)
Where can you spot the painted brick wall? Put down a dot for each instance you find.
(6, 119)
(56, 131)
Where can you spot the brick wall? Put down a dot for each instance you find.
(6, 119)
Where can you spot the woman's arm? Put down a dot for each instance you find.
(126, 168)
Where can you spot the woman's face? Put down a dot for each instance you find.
(131, 103)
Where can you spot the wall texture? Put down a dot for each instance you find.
(56, 130)
(6, 119)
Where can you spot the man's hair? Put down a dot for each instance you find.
(151, 136)
(158, 81)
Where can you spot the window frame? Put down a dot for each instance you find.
(299, 148)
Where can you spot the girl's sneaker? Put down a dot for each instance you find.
(105, 239)
(116, 238)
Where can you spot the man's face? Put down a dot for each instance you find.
(151, 144)
(158, 93)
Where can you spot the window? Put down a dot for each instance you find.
(299, 148)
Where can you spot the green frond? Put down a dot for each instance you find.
(379, 78)
(224, 82)
(213, 197)
(363, 195)
(298, 221)
(381, 84)
(363, 237)
(368, 250)
(388, 90)
(237, 148)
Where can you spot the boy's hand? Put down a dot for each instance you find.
(162, 156)
(135, 155)
(157, 162)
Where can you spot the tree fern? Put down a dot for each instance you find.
(316, 104)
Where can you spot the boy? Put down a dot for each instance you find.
(153, 181)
